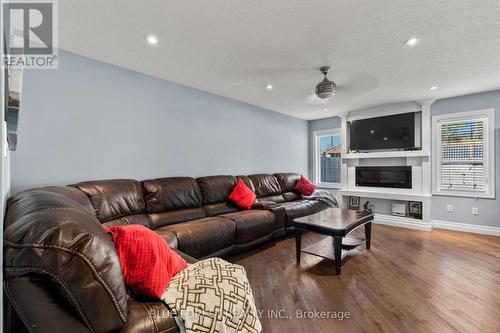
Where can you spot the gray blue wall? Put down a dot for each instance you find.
(489, 209)
(91, 120)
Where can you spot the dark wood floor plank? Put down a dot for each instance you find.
(410, 281)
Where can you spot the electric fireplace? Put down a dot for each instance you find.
(384, 176)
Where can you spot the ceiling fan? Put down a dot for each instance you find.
(301, 78)
(326, 88)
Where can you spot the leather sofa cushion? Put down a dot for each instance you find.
(220, 208)
(172, 200)
(173, 193)
(247, 181)
(252, 224)
(141, 219)
(215, 191)
(200, 238)
(287, 181)
(278, 198)
(114, 198)
(74, 194)
(170, 237)
(175, 216)
(300, 208)
(291, 196)
(265, 185)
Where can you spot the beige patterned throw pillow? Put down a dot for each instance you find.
(212, 295)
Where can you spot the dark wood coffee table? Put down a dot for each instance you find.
(336, 223)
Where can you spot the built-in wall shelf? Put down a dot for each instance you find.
(385, 154)
(385, 195)
(382, 198)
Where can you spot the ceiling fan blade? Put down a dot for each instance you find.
(354, 83)
(313, 99)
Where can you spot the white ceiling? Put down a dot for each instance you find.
(234, 48)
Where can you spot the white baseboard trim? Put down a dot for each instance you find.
(402, 222)
(463, 227)
(410, 223)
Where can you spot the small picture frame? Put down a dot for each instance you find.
(353, 202)
(415, 207)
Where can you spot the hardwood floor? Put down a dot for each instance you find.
(410, 281)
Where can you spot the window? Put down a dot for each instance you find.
(327, 158)
(464, 154)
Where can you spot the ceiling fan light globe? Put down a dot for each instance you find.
(325, 89)
(325, 95)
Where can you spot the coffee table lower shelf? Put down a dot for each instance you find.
(326, 248)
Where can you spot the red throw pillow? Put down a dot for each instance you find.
(242, 195)
(304, 186)
(147, 262)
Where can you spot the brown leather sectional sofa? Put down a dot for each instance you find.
(63, 275)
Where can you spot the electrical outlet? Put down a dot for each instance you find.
(449, 208)
(475, 211)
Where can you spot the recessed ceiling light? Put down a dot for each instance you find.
(152, 40)
(324, 108)
(411, 41)
(433, 88)
(269, 86)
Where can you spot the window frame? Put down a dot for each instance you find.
(488, 116)
(316, 157)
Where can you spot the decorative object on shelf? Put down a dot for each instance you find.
(366, 207)
(353, 203)
(399, 209)
(326, 88)
(416, 209)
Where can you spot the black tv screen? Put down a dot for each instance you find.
(388, 132)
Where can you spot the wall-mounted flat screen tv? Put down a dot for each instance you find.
(388, 132)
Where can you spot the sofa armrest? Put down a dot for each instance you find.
(278, 211)
(53, 237)
(263, 204)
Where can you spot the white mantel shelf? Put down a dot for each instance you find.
(385, 154)
(385, 195)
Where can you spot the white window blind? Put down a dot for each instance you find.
(463, 155)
